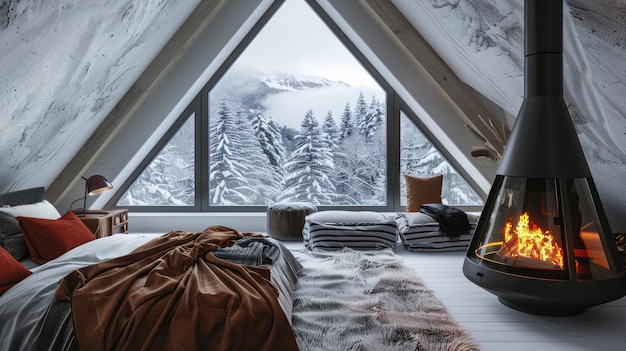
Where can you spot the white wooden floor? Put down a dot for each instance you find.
(497, 327)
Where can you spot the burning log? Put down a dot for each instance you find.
(509, 247)
(530, 247)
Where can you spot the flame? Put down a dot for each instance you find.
(532, 242)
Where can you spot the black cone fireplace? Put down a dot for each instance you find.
(543, 244)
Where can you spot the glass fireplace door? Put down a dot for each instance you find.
(528, 232)
(525, 229)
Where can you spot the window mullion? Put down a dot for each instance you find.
(393, 151)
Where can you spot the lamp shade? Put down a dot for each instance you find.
(97, 184)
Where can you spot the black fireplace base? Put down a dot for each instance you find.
(544, 311)
(550, 297)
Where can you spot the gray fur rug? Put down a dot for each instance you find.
(351, 300)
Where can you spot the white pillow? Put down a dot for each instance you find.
(42, 209)
(359, 230)
(347, 217)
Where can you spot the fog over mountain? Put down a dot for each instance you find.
(286, 96)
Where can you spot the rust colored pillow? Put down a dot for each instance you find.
(12, 272)
(48, 239)
(421, 191)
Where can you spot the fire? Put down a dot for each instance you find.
(531, 242)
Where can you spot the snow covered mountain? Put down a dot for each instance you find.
(285, 96)
(283, 81)
(251, 87)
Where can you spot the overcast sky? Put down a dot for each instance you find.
(297, 40)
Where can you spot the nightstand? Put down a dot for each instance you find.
(105, 222)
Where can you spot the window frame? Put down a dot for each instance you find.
(200, 107)
(421, 126)
(195, 109)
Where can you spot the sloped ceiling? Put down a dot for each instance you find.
(65, 65)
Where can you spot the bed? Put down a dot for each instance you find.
(216, 289)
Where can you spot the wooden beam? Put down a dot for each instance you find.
(458, 95)
(134, 98)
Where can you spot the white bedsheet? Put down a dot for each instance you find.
(22, 308)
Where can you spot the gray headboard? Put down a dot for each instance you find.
(22, 197)
(10, 235)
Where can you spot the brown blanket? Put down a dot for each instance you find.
(174, 294)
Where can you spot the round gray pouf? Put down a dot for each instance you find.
(285, 220)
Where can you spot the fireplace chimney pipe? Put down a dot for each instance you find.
(543, 50)
(544, 143)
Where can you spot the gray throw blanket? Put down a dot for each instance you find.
(452, 221)
(252, 251)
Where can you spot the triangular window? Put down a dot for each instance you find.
(287, 115)
(169, 179)
(294, 114)
(420, 158)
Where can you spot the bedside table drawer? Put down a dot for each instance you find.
(106, 222)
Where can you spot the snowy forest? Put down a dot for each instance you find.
(329, 161)
(251, 164)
